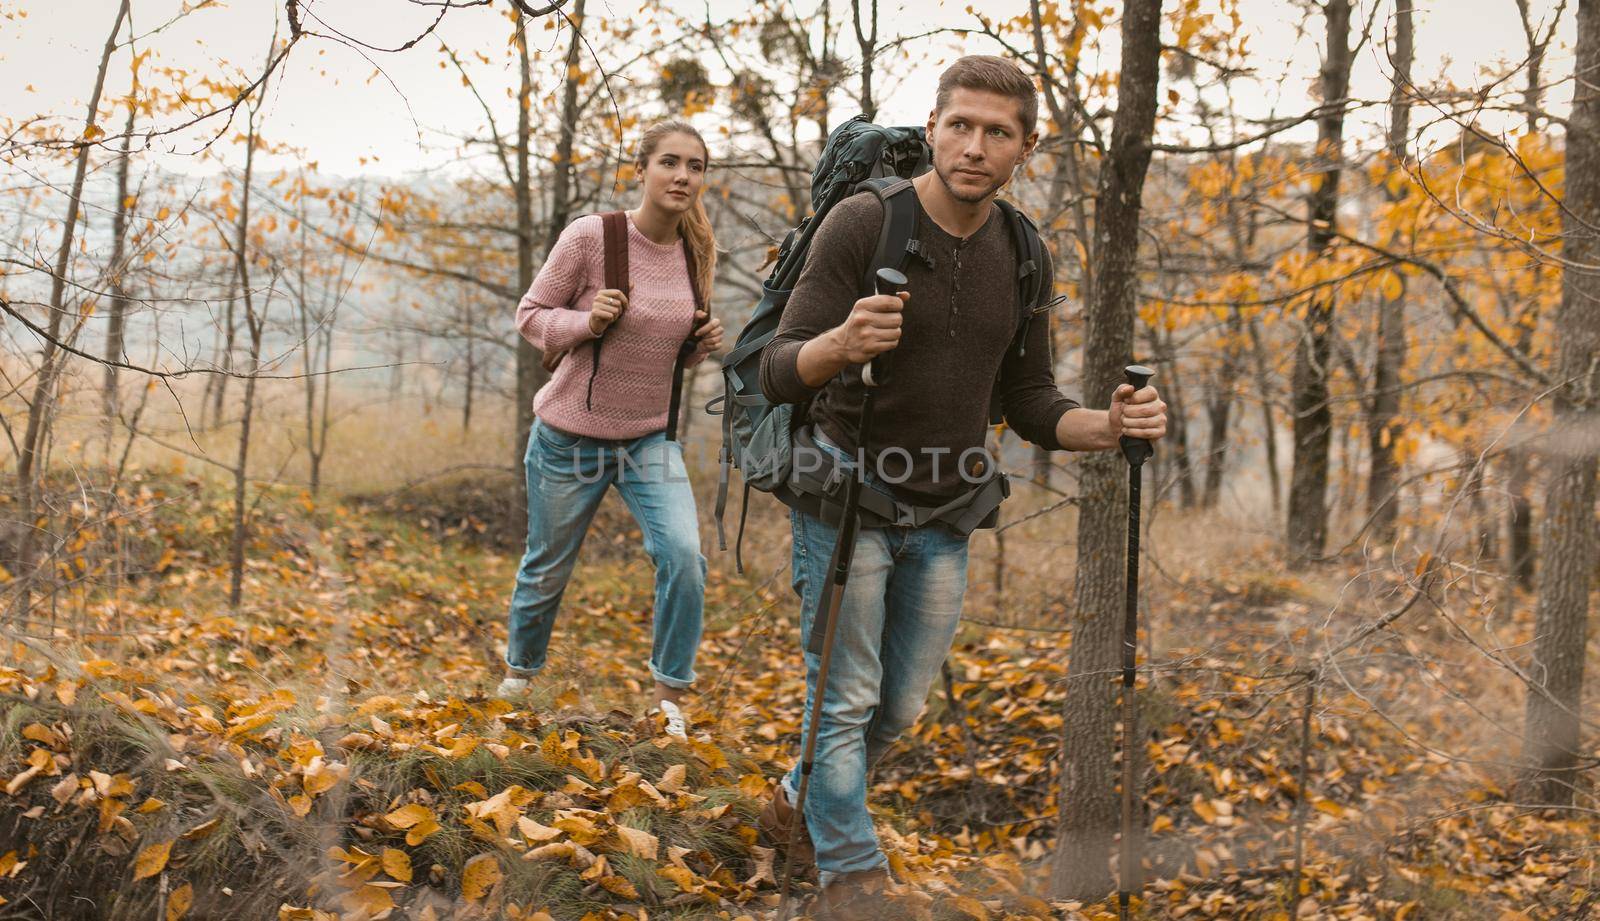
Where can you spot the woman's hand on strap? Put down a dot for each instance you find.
(607, 305)
(708, 331)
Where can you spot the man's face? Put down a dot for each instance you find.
(977, 142)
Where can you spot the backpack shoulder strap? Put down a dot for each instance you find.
(693, 268)
(614, 240)
(1031, 286)
(615, 225)
(689, 344)
(897, 241)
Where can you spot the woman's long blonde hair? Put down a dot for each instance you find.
(695, 225)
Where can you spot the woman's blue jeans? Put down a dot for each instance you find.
(567, 477)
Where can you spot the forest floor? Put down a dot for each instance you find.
(330, 749)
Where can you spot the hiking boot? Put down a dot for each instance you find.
(865, 895)
(774, 825)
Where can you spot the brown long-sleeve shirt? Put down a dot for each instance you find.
(956, 334)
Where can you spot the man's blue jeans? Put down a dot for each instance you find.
(567, 477)
(899, 615)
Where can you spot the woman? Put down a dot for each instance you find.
(602, 418)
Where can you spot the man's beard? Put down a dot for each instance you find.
(968, 197)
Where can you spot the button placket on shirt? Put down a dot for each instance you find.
(955, 286)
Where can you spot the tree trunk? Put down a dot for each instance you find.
(241, 465)
(1522, 563)
(472, 377)
(41, 407)
(1533, 86)
(116, 322)
(1178, 415)
(253, 324)
(868, 40)
(225, 359)
(325, 411)
(1088, 807)
(1384, 426)
(1269, 427)
(1219, 411)
(1568, 541)
(1312, 416)
(1522, 557)
(530, 372)
(309, 343)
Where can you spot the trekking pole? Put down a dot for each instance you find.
(1137, 451)
(873, 376)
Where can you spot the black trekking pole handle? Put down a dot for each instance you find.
(1137, 450)
(892, 282)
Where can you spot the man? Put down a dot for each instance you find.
(950, 334)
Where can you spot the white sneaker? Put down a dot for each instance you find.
(675, 722)
(512, 687)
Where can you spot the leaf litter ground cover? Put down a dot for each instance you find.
(331, 751)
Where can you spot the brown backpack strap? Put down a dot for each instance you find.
(694, 279)
(614, 275)
(616, 250)
(687, 348)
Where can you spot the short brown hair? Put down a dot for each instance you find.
(996, 75)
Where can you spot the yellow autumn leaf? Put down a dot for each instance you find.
(970, 907)
(1391, 285)
(322, 776)
(682, 877)
(290, 913)
(38, 732)
(203, 829)
(179, 901)
(101, 668)
(397, 864)
(619, 886)
(371, 901)
(753, 785)
(407, 816)
(533, 831)
(152, 859)
(420, 831)
(672, 781)
(1329, 807)
(480, 874)
(638, 842)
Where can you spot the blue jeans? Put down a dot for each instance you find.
(567, 477)
(899, 615)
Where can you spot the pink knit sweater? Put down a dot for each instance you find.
(634, 386)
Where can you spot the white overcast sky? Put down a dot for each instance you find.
(330, 104)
